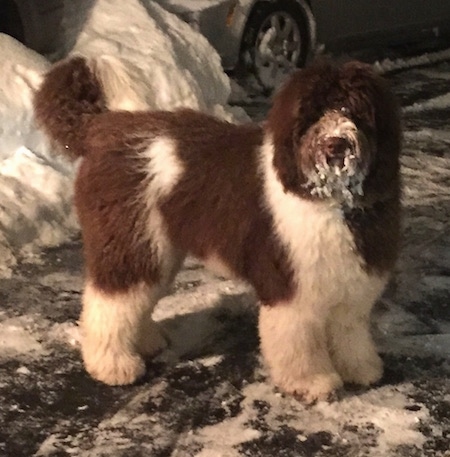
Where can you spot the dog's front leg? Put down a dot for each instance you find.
(351, 344)
(117, 332)
(294, 345)
(352, 348)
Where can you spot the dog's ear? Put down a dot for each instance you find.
(297, 106)
(281, 123)
(368, 89)
(370, 92)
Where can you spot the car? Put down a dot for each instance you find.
(267, 38)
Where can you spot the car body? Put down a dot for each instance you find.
(336, 25)
(323, 24)
(265, 37)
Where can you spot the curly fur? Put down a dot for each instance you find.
(305, 207)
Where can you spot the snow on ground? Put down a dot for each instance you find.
(389, 65)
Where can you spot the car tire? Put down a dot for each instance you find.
(275, 41)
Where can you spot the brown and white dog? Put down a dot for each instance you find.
(305, 207)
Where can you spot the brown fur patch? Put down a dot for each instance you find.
(117, 253)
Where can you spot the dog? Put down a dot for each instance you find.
(304, 206)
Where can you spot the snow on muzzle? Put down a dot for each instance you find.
(339, 156)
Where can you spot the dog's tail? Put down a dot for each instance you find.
(74, 92)
(69, 96)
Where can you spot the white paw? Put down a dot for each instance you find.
(310, 389)
(115, 369)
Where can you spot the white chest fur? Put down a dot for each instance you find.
(328, 269)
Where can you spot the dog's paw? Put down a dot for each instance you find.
(361, 371)
(117, 369)
(313, 388)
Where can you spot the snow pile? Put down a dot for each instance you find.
(34, 187)
(192, 7)
(21, 70)
(166, 65)
(169, 64)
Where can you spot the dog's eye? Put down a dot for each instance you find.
(344, 110)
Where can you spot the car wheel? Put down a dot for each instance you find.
(275, 41)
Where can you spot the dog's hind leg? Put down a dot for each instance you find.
(117, 331)
(294, 345)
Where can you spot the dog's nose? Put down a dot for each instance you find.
(335, 149)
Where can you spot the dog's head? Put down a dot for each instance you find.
(336, 133)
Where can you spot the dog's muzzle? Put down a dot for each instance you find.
(336, 153)
(340, 154)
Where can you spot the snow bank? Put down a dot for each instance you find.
(20, 75)
(170, 64)
(167, 64)
(35, 187)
